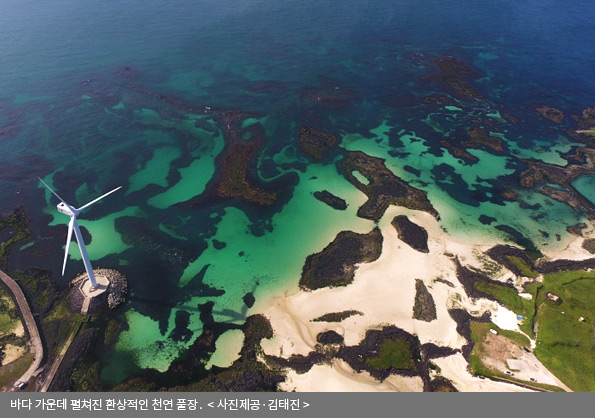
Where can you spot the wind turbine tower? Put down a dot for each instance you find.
(71, 211)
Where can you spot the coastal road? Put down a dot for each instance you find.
(29, 322)
(56, 365)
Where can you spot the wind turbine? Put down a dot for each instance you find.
(73, 225)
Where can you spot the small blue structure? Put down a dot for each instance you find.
(519, 317)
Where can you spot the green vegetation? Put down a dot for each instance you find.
(392, 354)
(17, 223)
(566, 345)
(12, 371)
(9, 318)
(479, 330)
(488, 267)
(510, 298)
(519, 263)
(86, 378)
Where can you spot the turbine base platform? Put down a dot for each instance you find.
(102, 285)
(110, 291)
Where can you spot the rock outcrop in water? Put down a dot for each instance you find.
(551, 113)
(315, 143)
(335, 265)
(383, 188)
(479, 138)
(330, 199)
(455, 75)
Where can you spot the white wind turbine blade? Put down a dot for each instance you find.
(55, 194)
(70, 227)
(99, 198)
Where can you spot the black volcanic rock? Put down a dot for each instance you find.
(315, 143)
(329, 337)
(336, 316)
(383, 188)
(335, 264)
(331, 200)
(412, 234)
(249, 299)
(424, 308)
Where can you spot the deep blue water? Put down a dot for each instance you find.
(77, 78)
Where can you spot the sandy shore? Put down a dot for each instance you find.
(384, 292)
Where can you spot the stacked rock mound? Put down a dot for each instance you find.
(116, 292)
(114, 295)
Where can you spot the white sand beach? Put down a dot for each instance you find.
(384, 292)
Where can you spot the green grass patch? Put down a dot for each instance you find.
(12, 371)
(478, 368)
(510, 298)
(565, 345)
(478, 333)
(392, 353)
(9, 318)
(519, 263)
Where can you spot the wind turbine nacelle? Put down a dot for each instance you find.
(62, 208)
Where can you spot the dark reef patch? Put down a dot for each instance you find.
(479, 138)
(236, 181)
(539, 175)
(486, 220)
(188, 372)
(219, 245)
(335, 264)
(315, 143)
(454, 74)
(383, 189)
(330, 199)
(411, 234)
(249, 299)
(459, 152)
(181, 332)
(551, 113)
(412, 170)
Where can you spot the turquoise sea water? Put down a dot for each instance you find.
(99, 94)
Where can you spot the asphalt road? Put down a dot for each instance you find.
(30, 325)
